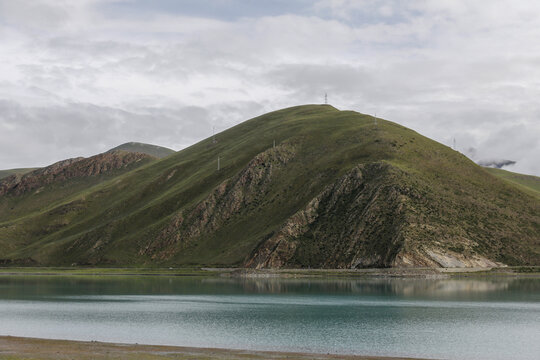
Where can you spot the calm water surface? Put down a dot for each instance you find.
(452, 319)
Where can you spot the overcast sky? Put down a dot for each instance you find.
(80, 77)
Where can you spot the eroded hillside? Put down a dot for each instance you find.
(337, 190)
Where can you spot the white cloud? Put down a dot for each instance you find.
(463, 69)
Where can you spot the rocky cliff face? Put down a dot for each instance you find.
(354, 222)
(16, 185)
(369, 218)
(229, 199)
(372, 216)
(365, 218)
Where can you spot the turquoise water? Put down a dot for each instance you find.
(451, 319)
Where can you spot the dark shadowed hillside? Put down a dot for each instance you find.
(336, 191)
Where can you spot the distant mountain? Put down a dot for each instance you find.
(527, 183)
(134, 147)
(66, 170)
(308, 186)
(9, 172)
(33, 192)
(152, 150)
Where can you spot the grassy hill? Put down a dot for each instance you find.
(152, 150)
(527, 183)
(134, 147)
(9, 172)
(336, 191)
(48, 187)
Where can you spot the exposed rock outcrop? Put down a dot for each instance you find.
(438, 257)
(354, 222)
(228, 199)
(367, 218)
(370, 217)
(68, 169)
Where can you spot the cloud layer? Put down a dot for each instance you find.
(79, 77)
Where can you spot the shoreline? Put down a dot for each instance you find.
(426, 273)
(15, 348)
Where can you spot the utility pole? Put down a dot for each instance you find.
(325, 98)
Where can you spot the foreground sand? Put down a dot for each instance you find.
(37, 349)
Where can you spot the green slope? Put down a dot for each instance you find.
(152, 150)
(527, 183)
(336, 191)
(9, 172)
(22, 197)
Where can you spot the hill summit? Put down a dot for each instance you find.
(148, 149)
(308, 186)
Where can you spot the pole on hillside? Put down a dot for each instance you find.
(325, 98)
(218, 163)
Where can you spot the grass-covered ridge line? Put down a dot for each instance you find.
(528, 183)
(337, 190)
(149, 149)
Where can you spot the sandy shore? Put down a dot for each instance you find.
(14, 348)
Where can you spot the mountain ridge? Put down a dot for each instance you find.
(149, 149)
(132, 146)
(337, 190)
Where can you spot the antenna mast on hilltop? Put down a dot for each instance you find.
(325, 98)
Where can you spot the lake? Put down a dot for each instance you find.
(470, 318)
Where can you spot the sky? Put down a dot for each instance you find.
(80, 77)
